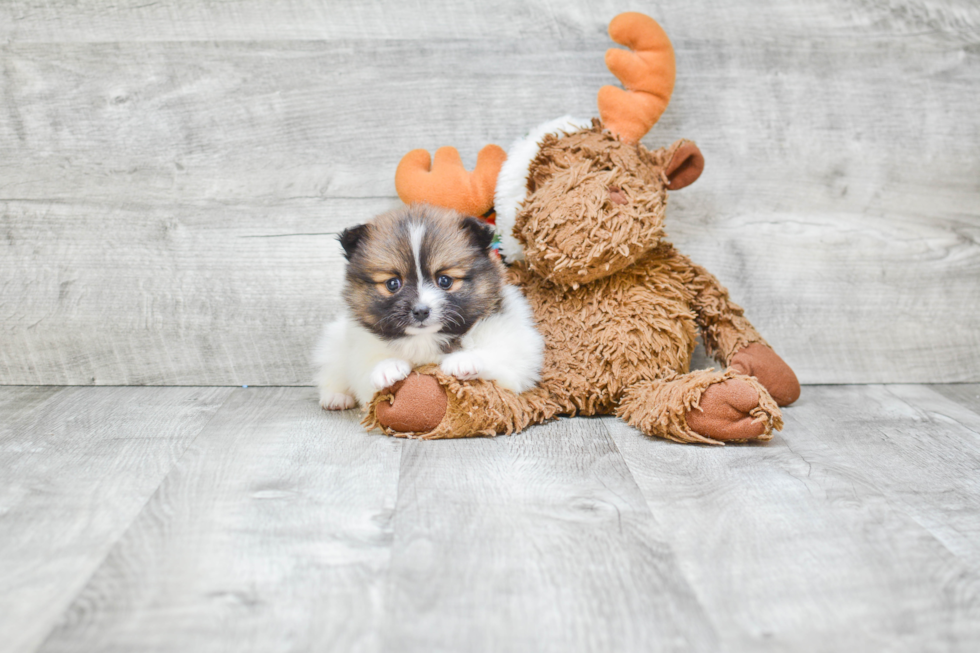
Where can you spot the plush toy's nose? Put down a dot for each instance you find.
(617, 196)
(420, 313)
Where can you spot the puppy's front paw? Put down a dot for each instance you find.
(336, 401)
(463, 365)
(388, 372)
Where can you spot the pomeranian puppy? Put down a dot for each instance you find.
(423, 286)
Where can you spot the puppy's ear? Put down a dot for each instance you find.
(479, 232)
(350, 237)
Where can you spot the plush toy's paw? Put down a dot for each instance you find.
(772, 372)
(724, 412)
(336, 401)
(388, 372)
(418, 406)
(463, 365)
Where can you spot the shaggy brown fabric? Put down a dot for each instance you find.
(569, 182)
(638, 324)
(473, 408)
(722, 322)
(662, 408)
(619, 308)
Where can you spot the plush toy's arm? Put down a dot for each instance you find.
(723, 324)
(732, 340)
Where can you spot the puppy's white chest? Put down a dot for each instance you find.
(420, 349)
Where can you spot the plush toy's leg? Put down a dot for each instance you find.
(704, 406)
(432, 405)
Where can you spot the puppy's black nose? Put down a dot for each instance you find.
(420, 313)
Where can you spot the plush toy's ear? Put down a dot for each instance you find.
(685, 165)
(350, 237)
(479, 232)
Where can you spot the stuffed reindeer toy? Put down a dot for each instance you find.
(580, 213)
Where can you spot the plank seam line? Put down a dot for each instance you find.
(692, 588)
(321, 233)
(136, 516)
(189, 203)
(900, 504)
(928, 413)
(387, 588)
(615, 447)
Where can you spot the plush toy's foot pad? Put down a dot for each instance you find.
(418, 406)
(772, 372)
(724, 412)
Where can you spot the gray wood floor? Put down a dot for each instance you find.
(231, 519)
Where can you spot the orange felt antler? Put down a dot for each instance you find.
(647, 71)
(447, 183)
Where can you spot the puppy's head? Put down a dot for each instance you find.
(420, 270)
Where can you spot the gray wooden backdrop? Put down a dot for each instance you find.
(172, 174)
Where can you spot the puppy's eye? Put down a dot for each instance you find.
(393, 284)
(445, 282)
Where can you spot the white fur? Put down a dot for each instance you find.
(512, 180)
(389, 372)
(416, 232)
(504, 347)
(429, 295)
(463, 364)
(336, 401)
(354, 363)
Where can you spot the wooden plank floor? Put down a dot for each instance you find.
(200, 519)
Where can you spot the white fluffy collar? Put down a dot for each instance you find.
(512, 180)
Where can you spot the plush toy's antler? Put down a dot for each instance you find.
(647, 71)
(447, 183)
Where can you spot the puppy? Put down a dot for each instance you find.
(422, 286)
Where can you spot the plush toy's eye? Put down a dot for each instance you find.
(445, 282)
(393, 284)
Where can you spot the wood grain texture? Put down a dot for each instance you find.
(538, 542)
(76, 467)
(965, 394)
(839, 203)
(266, 121)
(209, 294)
(292, 20)
(855, 528)
(241, 20)
(272, 533)
(933, 468)
(128, 524)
